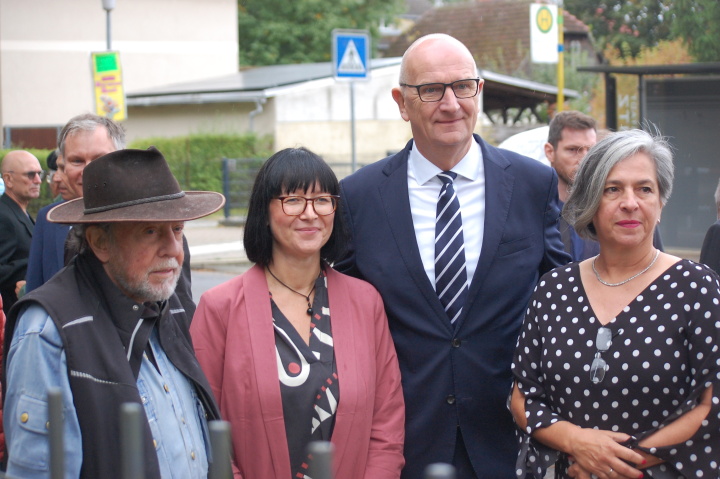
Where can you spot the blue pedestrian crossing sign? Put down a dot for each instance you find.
(351, 54)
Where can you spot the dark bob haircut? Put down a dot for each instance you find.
(286, 171)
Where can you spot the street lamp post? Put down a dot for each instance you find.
(108, 5)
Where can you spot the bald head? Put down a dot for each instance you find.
(443, 121)
(22, 174)
(15, 159)
(432, 41)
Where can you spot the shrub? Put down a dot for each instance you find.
(196, 160)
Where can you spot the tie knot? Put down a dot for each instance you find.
(447, 177)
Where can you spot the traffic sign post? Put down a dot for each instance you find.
(351, 62)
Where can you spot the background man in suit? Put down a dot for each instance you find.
(570, 137)
(83, 139)
(710, 252)
(454, 313)
(23, 175)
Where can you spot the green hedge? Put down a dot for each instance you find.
(195, 160)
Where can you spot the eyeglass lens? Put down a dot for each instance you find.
(461, 89)
(31, 174)
(580, 150)
(603, 341)
(295, 205)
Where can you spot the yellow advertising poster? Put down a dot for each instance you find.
(108, 86)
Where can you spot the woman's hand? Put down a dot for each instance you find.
(598, 453)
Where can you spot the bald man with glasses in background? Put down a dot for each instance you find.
(23, 176)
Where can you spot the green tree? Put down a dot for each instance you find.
(275, 32)
(697, 22)
(627, 25)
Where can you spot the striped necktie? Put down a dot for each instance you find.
(450, 273)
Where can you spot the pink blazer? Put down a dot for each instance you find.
(234, 341)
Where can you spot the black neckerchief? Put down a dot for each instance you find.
(133, 321)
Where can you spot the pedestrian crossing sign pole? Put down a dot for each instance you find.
(351, 62)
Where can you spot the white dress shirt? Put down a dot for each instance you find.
(424, 188)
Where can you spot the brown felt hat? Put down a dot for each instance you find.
(134, 185)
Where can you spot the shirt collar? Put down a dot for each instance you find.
(469, 166)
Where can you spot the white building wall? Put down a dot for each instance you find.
(45, 46)
(314, 114)
(178, 120)
(317, 115)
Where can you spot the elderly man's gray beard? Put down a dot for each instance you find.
(142, 288)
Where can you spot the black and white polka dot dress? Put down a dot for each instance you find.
(665, 352)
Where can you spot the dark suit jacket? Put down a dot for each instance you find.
(710, 252)
(47, 250)
(590, 247)
(16, 229)
(456, 376)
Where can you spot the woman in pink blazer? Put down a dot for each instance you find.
(295, 351)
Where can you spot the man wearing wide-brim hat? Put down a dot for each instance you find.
(109, 329)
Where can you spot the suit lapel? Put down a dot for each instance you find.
(396, 203)
(262, 342)
(499, 182)
(23, 218)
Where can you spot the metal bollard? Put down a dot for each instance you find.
(440, 470)
(322, 455)
(131, 441)
(55, 427)
(220, 442)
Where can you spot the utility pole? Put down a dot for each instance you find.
(108, 5)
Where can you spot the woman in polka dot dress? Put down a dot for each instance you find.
(617, 368)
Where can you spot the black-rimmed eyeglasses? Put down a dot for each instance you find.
(30, 174)
(429, 92)
(603, 341)
(295, 205)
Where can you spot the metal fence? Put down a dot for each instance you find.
(131, 447)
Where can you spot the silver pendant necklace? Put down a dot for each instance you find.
(597, 275)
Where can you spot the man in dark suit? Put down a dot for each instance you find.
(83, 139)
(455, 350)
(570, 137)
(47, 250)
(710, 252)
(23, 175)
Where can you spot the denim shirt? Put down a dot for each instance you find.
(36, 362)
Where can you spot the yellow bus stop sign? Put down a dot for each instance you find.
(108, 85)
(544, 19)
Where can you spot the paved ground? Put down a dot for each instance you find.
(214, 246)
(216, 254)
